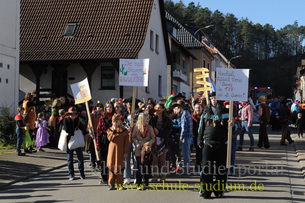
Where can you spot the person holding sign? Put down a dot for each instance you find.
(71, 124)
(212, 137)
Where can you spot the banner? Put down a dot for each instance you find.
(81, 91)
(232, 84)
(134, 72)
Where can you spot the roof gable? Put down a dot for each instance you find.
(105, 29)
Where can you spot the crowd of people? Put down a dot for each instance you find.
(155, 140)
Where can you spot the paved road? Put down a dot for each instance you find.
(277, 171)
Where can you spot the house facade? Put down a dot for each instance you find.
(73, 40)
(9, 54)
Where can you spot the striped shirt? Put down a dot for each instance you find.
(247, 113)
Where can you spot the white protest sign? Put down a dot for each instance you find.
(134, 72)
(81, 91)
(232, 84)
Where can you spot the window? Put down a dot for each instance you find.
(160, 86)
(0, 80)
(6, 81)
(152, 40)
(157, 44)
(107, 78)
(1, 65)
(70, 29)
(184, 68)
(203, 63)
(8, 66)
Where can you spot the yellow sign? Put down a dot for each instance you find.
(202, 79)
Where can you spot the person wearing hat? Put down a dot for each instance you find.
(212, 138)
(178, 97)
(71, 123)
(264, 118)
(29, 107)
(174, 146)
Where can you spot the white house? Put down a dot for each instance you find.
(70, 40)
(9, 54)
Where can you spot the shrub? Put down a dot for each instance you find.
(7, 127)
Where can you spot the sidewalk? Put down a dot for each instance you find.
(15, 168)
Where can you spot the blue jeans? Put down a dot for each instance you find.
(245, 128)
(19, 133)
(127, 171)
(186, 152)
(79, 153)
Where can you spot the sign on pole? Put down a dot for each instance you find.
(81, 91)
(202, 80)
(232, 84)
(134, 72)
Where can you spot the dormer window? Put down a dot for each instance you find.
(70, 29)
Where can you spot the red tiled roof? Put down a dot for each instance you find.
(211, 50)
(106, 29)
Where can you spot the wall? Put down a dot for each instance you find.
(9, 53)
(158, 61)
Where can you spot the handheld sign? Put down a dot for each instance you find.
(203, 80)
(133, 72)
(81, 93)
(232, 85)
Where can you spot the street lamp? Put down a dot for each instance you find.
(192, 72)
(208, 26)
(229, 62)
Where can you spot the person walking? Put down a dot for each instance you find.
(90, 148)
(102, 141)
(285, 116)
(186, 135)
(19, 130)
(212, 137)
(117, 152)
(196, 119)
(29, 118)
(142, 136)
(162, 125)
(246, 123)
(42, 134)
(71, 123)
(264, 118)
(300, 125)
(174, 146)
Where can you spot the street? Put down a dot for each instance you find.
(272, 175)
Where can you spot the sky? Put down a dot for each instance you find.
(277, 13)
